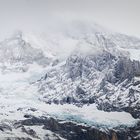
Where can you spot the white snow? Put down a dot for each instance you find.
(134, 54)
(89, 115)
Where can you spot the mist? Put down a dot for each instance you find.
(35, 15)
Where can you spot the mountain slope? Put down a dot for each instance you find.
(76, 82)
(16, 54)
(97, 71)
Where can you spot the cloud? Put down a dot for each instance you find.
(121, 15)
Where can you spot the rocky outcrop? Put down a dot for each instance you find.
(126, 69)
(72, 131)
(102, 79)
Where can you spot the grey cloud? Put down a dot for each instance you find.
(119, 15)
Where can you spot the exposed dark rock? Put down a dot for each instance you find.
(30, 132)
(71, 131)
(4, 127)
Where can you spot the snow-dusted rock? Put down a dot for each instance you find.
(97, 71)
(16, 54)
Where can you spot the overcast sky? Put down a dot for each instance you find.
(118, 15)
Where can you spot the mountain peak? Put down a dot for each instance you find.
(18, 34)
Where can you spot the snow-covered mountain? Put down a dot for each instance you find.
(16, 54)
(102, 68)
(78, 81)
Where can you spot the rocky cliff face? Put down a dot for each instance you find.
(110, 81)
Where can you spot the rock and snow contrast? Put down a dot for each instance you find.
(79, 82)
